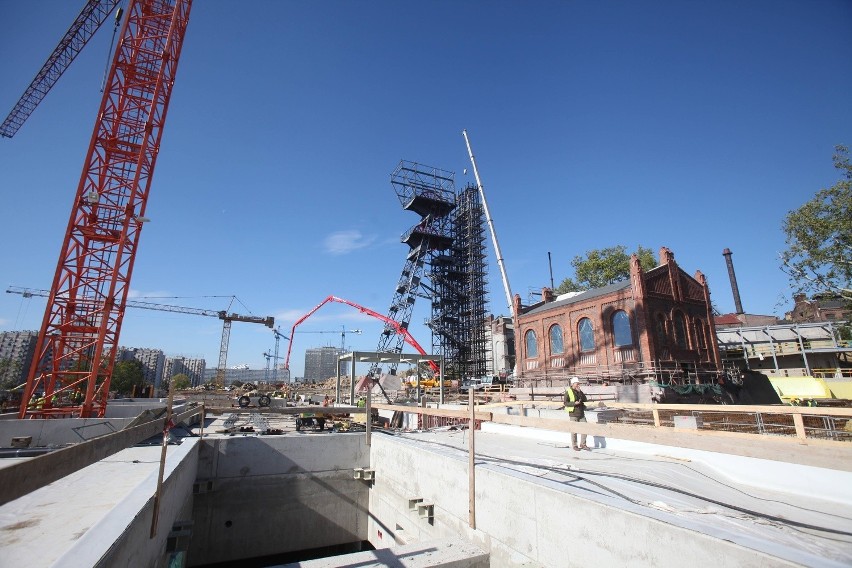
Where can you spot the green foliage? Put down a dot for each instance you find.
(819, 237)
(10, 373)
(126, 375)
(180, 382)
(604, 266)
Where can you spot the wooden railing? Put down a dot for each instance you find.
(819, 437)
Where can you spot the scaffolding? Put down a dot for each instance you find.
(446, 264)
(459, 302)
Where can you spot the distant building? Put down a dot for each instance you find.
(657, 323)
(500, 345)
(790, 349)
(241, 373)
(153, 361)
(743, 320)
(16, 355)
(322, 363)
(192, 368)
(821, 307)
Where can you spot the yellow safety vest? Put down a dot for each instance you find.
(572, 399)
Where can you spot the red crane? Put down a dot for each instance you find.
(78, 338)
(392, 324)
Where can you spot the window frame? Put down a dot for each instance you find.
(583, 334)
(553, 351)
(527, 352)
(681, 337)
(615, 334)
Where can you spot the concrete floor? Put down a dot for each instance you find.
(799, 514)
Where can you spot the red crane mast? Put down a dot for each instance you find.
(78, 339)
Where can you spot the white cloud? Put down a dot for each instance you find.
(138, 294)
(344, 242)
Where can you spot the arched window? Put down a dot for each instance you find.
(530, 342)
(556, 344)
(587, 335)
(662, 337)
(621, 329)
(699, 333)
(680, 330)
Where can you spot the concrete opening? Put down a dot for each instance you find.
(327, 499)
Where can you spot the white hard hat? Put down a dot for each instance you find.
(575, 380)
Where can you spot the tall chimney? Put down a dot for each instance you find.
(737, 303)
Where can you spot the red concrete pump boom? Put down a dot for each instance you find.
(388, 321)
(78, 339)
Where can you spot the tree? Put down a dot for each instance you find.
(126, 375)
(10, 373)
(180, 382)
(604, 266)
(819, 237)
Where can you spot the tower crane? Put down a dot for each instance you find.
(342, 333)
(278, 336)
(227, 320)
(268, 356)
(93, 14)
(78, 338)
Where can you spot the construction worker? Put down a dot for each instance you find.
(362, 402)
(575, 405)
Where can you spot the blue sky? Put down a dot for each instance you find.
(691, 125)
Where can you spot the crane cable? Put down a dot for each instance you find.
(118, 14)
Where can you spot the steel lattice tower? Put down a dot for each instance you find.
(446, 264)
(430, 193)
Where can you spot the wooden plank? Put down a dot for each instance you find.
(800, 426)
(764, 409)
(442, 412)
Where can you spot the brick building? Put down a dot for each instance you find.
(657, 324)
(822, 307)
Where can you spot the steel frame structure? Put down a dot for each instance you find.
(78, 339)
(445, 264)
(429, 192)
(459, 292)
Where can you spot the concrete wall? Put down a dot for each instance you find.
(526, 521)
(265, 495)
(123, 537)
(59, 432)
